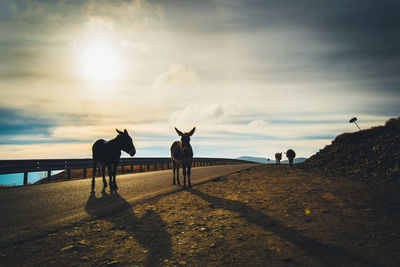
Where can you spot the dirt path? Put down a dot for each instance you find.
(266, 216)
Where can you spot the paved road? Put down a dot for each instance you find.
(36, 210)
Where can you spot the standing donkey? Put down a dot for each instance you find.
(278, 157)
(108, 154)
(182, 153)
(290, 154)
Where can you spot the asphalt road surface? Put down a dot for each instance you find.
(36, 210)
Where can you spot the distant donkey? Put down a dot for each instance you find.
(108, 154)
(182, 153)
(278, 157)
(290, 154)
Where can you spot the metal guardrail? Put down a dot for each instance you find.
(48, 165)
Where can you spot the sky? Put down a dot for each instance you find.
(253, 77)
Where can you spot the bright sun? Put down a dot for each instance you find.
(100, 63)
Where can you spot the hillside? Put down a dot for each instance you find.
(368, 154)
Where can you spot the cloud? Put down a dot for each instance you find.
(176, 75)
(46, 151)
(140, 46)
(100, 24)
(14, 122)
(202, 113)
(256, 123)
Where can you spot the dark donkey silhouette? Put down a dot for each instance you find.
(108, 154)
(278, 157)
(182, 153)
(290, 154)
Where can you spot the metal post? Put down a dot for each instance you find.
(68, 174)
(141, 168)
(84, 173)
(25, 178)
(49, 175)
(122, 169)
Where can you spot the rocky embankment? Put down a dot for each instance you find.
(368, 154)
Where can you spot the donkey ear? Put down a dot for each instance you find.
(119, 131)
(178, 132)
(125, 131)
(192, 131)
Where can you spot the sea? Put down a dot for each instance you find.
(17, 179)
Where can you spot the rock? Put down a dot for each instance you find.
(70, 247)
(112, 263)
(213, 245)
(83, 242)
(85, 258)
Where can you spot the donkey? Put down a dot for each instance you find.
(278, 157)
(108, 154)
(290, 154)
(182, 153)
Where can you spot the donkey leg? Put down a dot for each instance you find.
(188, 175)
(103, 172)
(173, 170)
(110, 172)
(110, 175)
(177, 173)
(184, 174)
(115, 176)
(94, 175)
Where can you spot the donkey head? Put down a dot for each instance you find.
(126, 142)
(185, 137)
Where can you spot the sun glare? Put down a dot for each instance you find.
(100, 63)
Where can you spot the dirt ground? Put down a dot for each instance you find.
(269, 215)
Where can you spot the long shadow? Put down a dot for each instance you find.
(149, 230)
(329, 255)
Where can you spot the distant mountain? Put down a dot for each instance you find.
(266, 161)
(256, 159)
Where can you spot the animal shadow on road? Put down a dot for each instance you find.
(148, 230)
(328, 255)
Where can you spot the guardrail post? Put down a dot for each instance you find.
(131, 168)
(84, 173)
(25, 178)
(148, 167)
(49, 175)
(141, 168)
(69, 174)
(155, 166)
(162, 166)
(122, 169)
